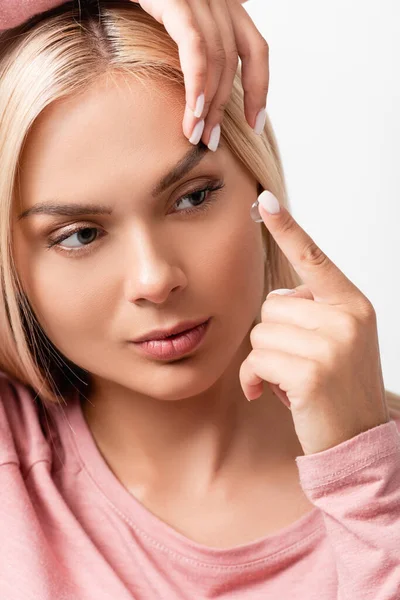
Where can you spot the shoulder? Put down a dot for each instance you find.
(15, 12)
(22, 440)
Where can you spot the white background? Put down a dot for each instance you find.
(334, 103)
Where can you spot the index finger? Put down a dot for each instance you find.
(326, 281)
(181, 24)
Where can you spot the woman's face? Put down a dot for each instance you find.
(152, 258)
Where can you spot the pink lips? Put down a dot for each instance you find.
(176, 345)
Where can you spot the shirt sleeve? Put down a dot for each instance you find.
(15, 12)
(356, 485)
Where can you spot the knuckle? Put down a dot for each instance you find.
(348, 327)
(219, 56)
(256, 335)
(197, 41)
(220, 109)
(265, 308)
(257, 48)
(232, 58)
(252, 359)
(312, 254)
(264, 86)
(330, 354)
(288, 226)
(312, 375)
(207, 104)
(201, 73)
(262, 46)
(367, 310)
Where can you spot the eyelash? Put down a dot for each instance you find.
(212, 188)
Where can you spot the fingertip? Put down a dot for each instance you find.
(199, 107)
(269, 202)
(260, 121)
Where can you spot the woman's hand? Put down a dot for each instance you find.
(318, 349)
(210, 35)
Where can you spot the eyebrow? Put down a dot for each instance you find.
(184, 166)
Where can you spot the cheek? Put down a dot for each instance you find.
(67, 305)
(237, 266)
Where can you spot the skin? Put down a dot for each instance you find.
(177, 434)
(210, 36)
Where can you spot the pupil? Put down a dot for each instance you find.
(199, 196)
(86, 234)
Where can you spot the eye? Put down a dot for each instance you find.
(82, 235)
(202, 198)
(85, 234)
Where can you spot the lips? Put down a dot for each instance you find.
(177, 346)
(161, 334)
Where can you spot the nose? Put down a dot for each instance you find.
(153, 270)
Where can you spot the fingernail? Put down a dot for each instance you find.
(214, 137)
(199, 106)
(269, 202)
(282, 292)
(260, 121)
(197, 132)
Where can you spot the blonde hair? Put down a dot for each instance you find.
(59, 54)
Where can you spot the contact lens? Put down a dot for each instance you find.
(254, 213)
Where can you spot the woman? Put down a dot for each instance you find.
(134, 469)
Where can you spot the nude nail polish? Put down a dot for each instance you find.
(260, 121)
(197, 133)
(214, 138)
(199, 106)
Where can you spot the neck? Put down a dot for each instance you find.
(192, 442)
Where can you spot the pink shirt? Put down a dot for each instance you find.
(14, 12)
(70, 530)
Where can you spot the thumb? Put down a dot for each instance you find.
(301, 291)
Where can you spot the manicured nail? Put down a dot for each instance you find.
(282, 292)
(199, 106)
(260, 121)
(214, 137)
(269, 202)
(197, 133)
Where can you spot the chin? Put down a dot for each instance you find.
(169, 382)
(181, 380)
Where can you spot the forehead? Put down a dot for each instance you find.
(115, 123)
(114, 106)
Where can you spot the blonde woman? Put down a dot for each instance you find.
(133, 466)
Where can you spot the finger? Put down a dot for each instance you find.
(181, 24)
(273, 366)
(280, 394)
(291, 339)
(215, 114)
(302, 312)
(325, 280)
(253, 50)
(215, 51)
(301, 291)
